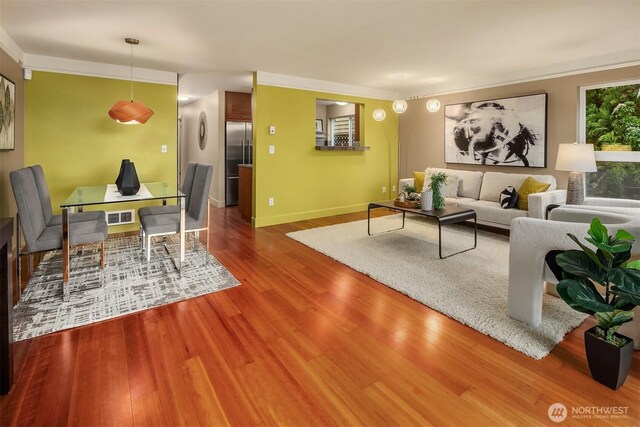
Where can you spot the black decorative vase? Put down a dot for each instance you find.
(127, 181)
(609, 364)
(119, 178)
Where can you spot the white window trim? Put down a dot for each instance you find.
(603, 156)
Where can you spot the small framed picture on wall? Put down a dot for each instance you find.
(7, 113)
(319, 125)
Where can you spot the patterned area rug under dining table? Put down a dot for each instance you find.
(125, 286)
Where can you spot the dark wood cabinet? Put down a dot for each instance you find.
(237, 107)
(245, 192)
(6, 305)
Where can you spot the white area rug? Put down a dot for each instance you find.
(125, 286)
(470, 287)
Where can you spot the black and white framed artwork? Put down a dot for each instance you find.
(499, 132)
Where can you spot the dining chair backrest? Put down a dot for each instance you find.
(43, 192)
(199, 198)
(187, 184)
(25, 191)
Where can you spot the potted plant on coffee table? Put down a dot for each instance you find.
(438, 181)
(409, 198)
(604, 284)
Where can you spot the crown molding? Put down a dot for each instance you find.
(514, 79)
(96, 69)
(8, 45)
(293, 82)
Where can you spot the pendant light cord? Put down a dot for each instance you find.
(131, 80)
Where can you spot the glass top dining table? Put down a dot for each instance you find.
(107, 194)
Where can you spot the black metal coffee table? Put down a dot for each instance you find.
(450, 215)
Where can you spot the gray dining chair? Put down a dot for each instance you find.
(196, 213)
(45, 200)
(172, 209)
(39, 226)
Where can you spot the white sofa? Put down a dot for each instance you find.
(480, 191)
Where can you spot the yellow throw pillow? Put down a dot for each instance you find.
(418, 181)
(529, 186)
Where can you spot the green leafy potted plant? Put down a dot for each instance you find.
(438, 181)
(609, 354)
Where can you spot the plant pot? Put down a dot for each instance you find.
(426, 200)
(616, 147)
(609, 364)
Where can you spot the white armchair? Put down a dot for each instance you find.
(531, 239)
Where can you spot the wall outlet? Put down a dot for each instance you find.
(272, 149)
(272, 130)
(271, 201)
(163, 148)
(384, 189)
(393, 188)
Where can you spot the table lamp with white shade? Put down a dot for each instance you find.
(576, 159)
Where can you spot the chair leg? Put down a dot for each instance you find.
(206, 252)
(148, 248)
(102, 263)
(102, 255)
(148, 243)
(196, 239)
(18, 266)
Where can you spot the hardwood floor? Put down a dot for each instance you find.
(303, 341)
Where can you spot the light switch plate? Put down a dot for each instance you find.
(163, 149)
(272, 130)
(272, 149)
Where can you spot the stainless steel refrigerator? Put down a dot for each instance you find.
(238, 151)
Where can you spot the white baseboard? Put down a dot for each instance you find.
(217, 203)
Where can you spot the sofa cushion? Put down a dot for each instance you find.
(530, 186)
(418, 181)
(494, 182)
(469, 181)
(451, 184)
(492, 212)
(453, 201)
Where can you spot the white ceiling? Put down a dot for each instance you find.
(413, 48)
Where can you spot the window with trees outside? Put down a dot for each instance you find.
(610, 120)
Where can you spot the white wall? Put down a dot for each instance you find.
(340, 110)
(213, 153)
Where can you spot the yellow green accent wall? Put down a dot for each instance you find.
(306, 183)
(69, 133)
